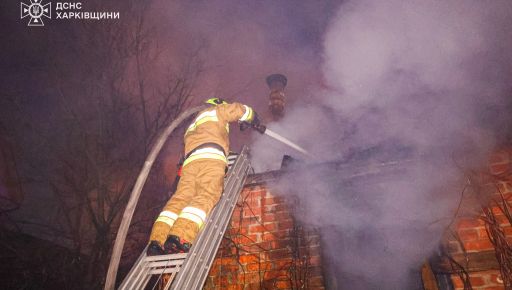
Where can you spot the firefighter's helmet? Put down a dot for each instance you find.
(216, 101)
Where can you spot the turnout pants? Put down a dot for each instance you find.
(199, 190)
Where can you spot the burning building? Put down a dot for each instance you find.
(270, 245)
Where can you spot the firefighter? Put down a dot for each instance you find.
(202, 176)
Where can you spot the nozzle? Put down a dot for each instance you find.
(260, 128)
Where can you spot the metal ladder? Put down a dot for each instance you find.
(189, 271)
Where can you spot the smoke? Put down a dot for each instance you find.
(423, 81)
(241, 44)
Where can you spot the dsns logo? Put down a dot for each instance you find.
(36, 10)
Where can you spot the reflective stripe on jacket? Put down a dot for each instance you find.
(207, 152)
(212, 126)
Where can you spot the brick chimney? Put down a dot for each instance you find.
(276, 83)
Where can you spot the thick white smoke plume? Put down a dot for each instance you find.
(428, 80)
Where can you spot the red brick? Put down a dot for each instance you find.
(255, 191)
(253, 286)
(503, 220)
(468, 235)
(245, 259)
(246, 240)
(235, 231)
(260, 266)
(467, 223)
(269, 237)
(279, 254)
(270, 227)
(252, 204)
(476, 281)
(283, 285)
(235, 221)
(499, 157)
(270, 208)
(229, 269)
(275, 274)
(500, 168)
(254, 267)
(259, 228)
(234, 287)
(273, 200)
(249, 278)
(278, 244)
(504, 187)
(262, 246)
(314, 250)
(475, 246)
(495, 278)
(272, 236)
(315, 271)
(317, 281)
(508, 195)
(457, 282)
(250, 221)
(283, 215)
(315, 261)
(227, 280)
(253, 212)
(227, 261)
(269, 217)
(214, 270)
(284, 263)
(283, 207)
(482, 234)
(496, 210)
(255, 238)
(286, 224)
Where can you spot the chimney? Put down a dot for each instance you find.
(276, 83)
(287, 161)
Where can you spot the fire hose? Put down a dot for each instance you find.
(264, 130)
(134, 196)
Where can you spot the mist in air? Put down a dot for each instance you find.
(423, 83)
(426, 83)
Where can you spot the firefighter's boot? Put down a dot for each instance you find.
(175, 245)
(155, 249)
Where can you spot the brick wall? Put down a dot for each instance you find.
(471, 242)
(264, 248)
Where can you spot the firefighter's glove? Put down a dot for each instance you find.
(255, 120)
(256, 124)
(260, 127)
(244, 126)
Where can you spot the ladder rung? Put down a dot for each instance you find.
(196, 264)
(164, 271)
(165, 263)
(165, 257)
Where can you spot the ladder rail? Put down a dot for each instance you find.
(210, 256)
(134, 271)
(190, 270)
